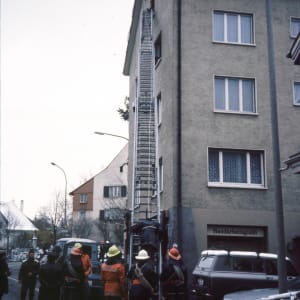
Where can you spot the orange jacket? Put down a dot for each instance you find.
(113, 278)
(86, 264)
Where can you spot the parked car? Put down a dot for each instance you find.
(268, 294)
(262, 294)
(220, 272)
(91, 247)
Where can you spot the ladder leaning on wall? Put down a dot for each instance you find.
(145, 203)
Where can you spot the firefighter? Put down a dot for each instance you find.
(74, 277)
(113, 276)
(143, 277)
(174, 277)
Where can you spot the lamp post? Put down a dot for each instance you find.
(115, 135)
(65, 208)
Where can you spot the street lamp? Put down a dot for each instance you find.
(105, 133)
(65, 211)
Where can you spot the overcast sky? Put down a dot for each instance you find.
(61, 80)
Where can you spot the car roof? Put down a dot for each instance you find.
(250, 294)
(237, 253)
(259, 294)
(76, 240)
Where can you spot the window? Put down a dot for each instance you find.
(83, 198)
(235, 168)
(157, 50)
(115, 191)
(233, 28)
(158, 109)
(82, 214)
(235, 95)
(161, 174)
(101, 214)
(294, 27)
(297, 93)
(152, 4)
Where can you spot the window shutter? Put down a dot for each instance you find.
(123, 191)
(106, 192)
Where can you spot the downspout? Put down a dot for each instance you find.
(179, 103)
(282, 284)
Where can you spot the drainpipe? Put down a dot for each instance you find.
(282, 286)
(179, 103)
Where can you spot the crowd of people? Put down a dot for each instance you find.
(142, 280)
(67, 279)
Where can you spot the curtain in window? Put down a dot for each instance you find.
(248, 95)
(233, 94)
(246, 29)
(234, 167)
(220, 93)
(232, 28)
(255, 168)
(213, 165)
(218, 26)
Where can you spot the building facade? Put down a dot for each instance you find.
(214, 79)
(103, 197)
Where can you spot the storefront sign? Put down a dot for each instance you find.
(235, 231)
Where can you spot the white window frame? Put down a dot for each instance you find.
(294, 19)
(114, 191)
(225, 27)
(240, 111)
(248, 184)
(83, 198)
(295, 102)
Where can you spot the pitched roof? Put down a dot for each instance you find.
(15, 218)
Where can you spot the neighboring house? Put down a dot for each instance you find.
(103, 197)
(212, 89)
(12, 221)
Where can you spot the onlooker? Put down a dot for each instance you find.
(4, 273)
(28, 275)
(113, 275)
(174, 277)
(74, 277)
(51, 279)
(143, 277)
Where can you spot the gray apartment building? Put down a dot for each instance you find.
(213, 81)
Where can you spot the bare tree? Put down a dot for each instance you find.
(83, 228)
(111, 222)
(53, 213)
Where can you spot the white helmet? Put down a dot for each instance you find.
(142, 255)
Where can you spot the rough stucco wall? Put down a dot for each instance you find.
(202, 127)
